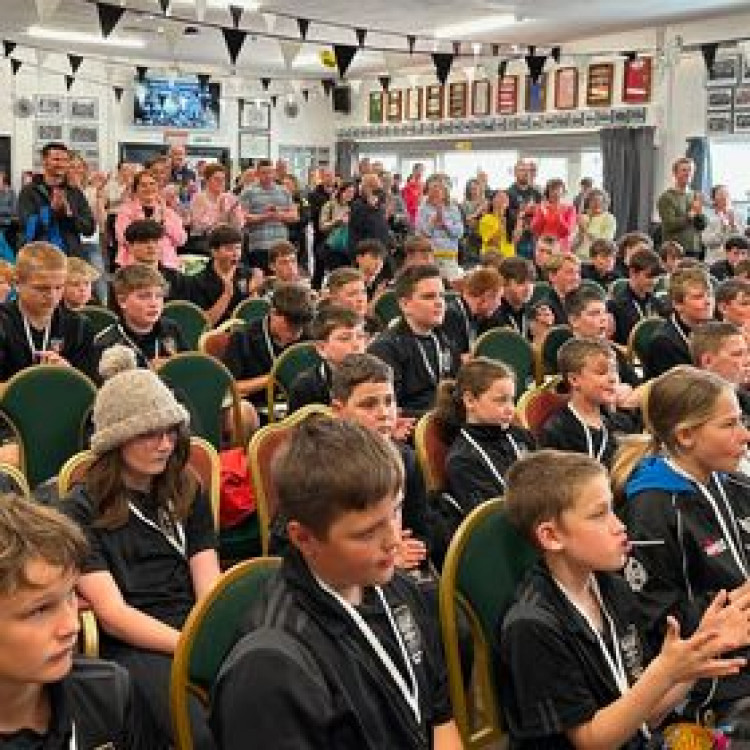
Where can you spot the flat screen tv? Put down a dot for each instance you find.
(176, 103)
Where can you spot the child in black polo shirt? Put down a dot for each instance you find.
(602, 268)
(35, 328)
(342, 651)
(518, 277)
(733, 302)
(337, 332)
(252, 350)
(576, 666)
(370, 257)
(139, 291)
(589, 423)
(416, 348)
(735, 250)
(151, 532)
(223, 283)
(46, 693)
(564, 275)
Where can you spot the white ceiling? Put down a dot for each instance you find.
(545, 22)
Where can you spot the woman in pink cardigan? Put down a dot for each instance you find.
(148, 204)
(554, 218)
(215, 205)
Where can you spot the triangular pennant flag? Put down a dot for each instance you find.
(442, 62)
(265, 82)
(344, 54)
(46, 9)
(411, 40)
(555, 54)
(164, 5)
(535, 64)
(306, 94)
(141, 71)
(289, 52)
(274, 100)
(709, 54)
(203, 79)
(69, 81)
(200, 10)
(502, 69)
(236, 12)
(109, 17)
(270, 20)
(456, 48)
(495, 50)
(75, 62)
(361, 36)
(328, 84)
(234, 39)
(15, 65)
(303, 24)
(8, 47)
(385, 82)
(629, 55)
(119, 91)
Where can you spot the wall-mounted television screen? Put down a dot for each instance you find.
(176, 103)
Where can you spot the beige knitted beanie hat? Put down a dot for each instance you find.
(132, 402)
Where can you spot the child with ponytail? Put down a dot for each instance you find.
(476, 412)
(688, 514)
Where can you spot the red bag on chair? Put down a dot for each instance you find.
(237, 501)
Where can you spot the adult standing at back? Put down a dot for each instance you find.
(268, 210)
(553, 217)
(413, 190)
(367, 218)
(681, 210)
(51, 210)
(441, 222)
(522, 197)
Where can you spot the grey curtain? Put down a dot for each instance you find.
(346, 154)
(628, 158)
(699, 150)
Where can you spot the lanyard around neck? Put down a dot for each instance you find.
(470, 331)
(678, 327)
(486, 458)
(30, 338)
(267, 338)
(178, 541)
(731, 537)
(426, 359)
(589, 438)
(410, 694)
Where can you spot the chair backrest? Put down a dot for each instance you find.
(215, 342)
(555, 337)
(595, 285)
(508, 346)
(386, 307)
(432, 451)
(542, 292)
(618, 287)
(12, 480)
(202, 384)
(538, 405)
(263, 447)
(208, 636)
(252, 309)
(486, 561)
(47, 407)
(641, 335)
(99, 317)
(293, 361)
(191, 320)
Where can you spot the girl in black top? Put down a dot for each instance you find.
(476, 412)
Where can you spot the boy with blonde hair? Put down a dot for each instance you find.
(78, 283)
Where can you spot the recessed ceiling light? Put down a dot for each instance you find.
(476, 26)
(80, 37)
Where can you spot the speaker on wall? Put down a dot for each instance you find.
(342, 99)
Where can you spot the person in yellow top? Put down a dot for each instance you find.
(493, 227)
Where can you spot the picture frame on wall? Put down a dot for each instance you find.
(742, 122)
(719, 98)
(481, 97)
(745, 74)
(45, 131)
(434, 102)
(725, 71)
(507, 95)
(83, 108)
(375, 108)
(741, 97)
(599, 85)
(82, 135)
(414, 104)
(536, 94)
(566, 88)
(457, 98)
(48, 105)
(719, 123)
(636, 80)
(395, 105)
